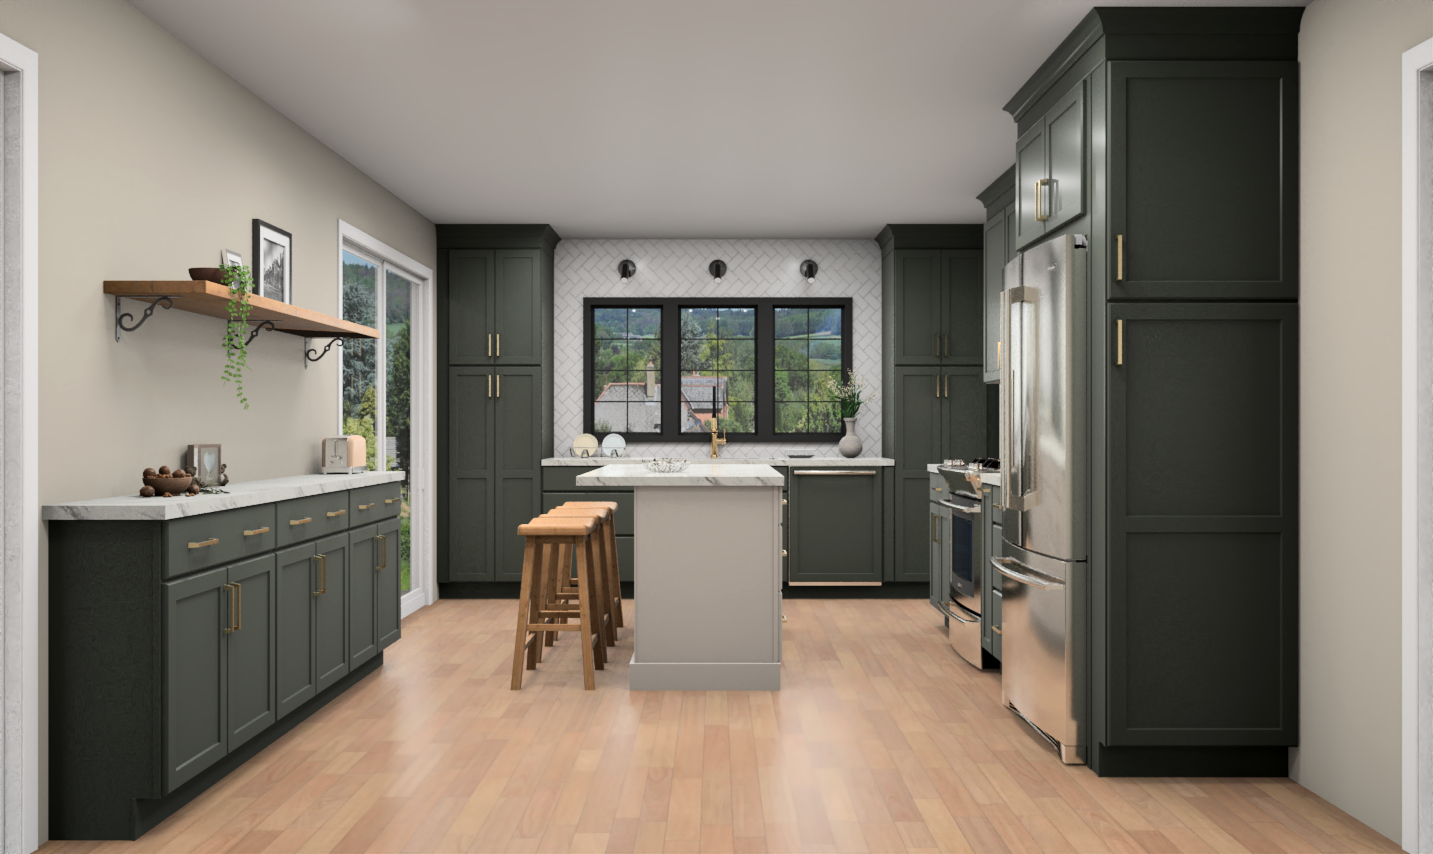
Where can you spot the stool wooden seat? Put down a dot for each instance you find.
(557, 586)
(614, 573)
(546, 536)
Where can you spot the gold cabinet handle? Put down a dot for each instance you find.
(997, 354)
(937, 343)
(934, 538)
(490, 343)
(382, 551)
(213, 541)
(333, 513)
(1119, 257)
(257, 531)
(368, 506)
(996, 629)
(490, 383)
(784, 554)
(947, 385)
(947, 343)
(500, 382)
(389, 500)
(783, 502)
(1119, 341)
(318, 592)
(229, 629)
(239, 595)
(1039, 185)
(303, 521)
(937, 385)
(500, 352)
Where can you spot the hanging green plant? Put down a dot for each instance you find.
(240, 282)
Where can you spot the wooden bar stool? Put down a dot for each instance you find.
(545, 537)
(557, 586)
(614, 572)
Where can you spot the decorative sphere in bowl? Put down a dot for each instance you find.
(667, 466)
(173, 485)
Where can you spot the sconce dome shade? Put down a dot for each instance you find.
(808, 270)
(626, 270)
(717, 269)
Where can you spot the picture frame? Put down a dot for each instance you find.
(273, 262)
(207, 462)
(230, 258)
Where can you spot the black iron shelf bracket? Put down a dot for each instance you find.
(266, 324)
(309, 354)
(164, 302)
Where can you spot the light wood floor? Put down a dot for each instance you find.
(881, 740)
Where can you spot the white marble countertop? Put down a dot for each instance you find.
(696, 474)
(991, 478)
(130, 508)
(821, 462)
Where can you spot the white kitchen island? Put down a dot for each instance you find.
(706, 575)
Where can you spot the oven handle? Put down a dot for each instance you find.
(1035, 579)
(961, 507)
(965, 614)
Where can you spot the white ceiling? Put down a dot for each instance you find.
(652, 118)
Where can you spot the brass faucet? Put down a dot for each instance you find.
(715, 440)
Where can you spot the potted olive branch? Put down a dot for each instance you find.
(240, 282)
(850, 396)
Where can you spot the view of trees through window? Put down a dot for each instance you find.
(718, 369)
(627, 370)
(808, 363)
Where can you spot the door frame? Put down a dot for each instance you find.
(24, 736)
(423, 359)
(1417, 450)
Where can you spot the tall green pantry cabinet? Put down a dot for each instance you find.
(1186, 184)
(935, 407)
(494, 398)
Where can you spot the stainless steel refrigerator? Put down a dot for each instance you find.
(1044, 451)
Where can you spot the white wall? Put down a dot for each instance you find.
(678, 268)
(151, 161)
(1350, 750)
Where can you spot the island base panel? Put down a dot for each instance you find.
(725, 676)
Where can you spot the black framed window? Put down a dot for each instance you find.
(759, 369)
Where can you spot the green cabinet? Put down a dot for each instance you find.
(835, 517)
(937, 305)
(1050, 170)
(494, 477)
(330, 611)
(496, 302)
(295, 587)
(1203, 180)
(253, 702)
(196, 619)
(1202, 382)
(999, 201)
(388, 597)
(363, 561)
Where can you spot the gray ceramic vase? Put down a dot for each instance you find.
(850, 445)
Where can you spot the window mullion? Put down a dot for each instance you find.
(671, 370)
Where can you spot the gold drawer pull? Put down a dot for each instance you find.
(996, 629)
(303, 521)
(209, 542)
(783, 553)
(257, 531)
(389, 500)
(333, 513)
(368, 506)
(382, 552)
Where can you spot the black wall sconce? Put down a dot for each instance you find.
(717, 269)
(626, 270)
(808, 271)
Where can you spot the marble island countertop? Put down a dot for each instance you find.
(697, 474)
(129, 508)
(822, 462)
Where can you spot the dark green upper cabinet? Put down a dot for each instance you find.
(196, 617)
(999, 201)
(964, 307)
(1203, 382)
(835, 517)
(470, 297)
(919, 317)
(517, 308)
(1203, 180)
(1050, 170)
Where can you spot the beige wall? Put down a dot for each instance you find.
(151, 162)
(1350, 53)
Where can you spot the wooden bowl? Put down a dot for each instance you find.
(175, 485)
(207, 274)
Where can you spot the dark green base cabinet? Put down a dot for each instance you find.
(835, 521)
(164, 677)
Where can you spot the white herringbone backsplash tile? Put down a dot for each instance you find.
(678, 268)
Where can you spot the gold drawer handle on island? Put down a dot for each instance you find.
(209, 542)
(389, 500)
(368, 506)
(333, 513)
(257, 531)
(303, 521)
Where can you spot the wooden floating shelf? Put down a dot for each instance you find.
(211, 299)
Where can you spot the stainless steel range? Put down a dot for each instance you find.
(956, 551)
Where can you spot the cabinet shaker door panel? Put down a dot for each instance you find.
(996, 247)
(1065, 133)
(918, 427)
(964, 307)
(294, 629)
(389, 593)
(919, 321)
(1203, 180)
(363, 560)
(964, 420)
(517, 307)
(330, 611)
(1032, 167)
(470, 473)
(253, 705)
(196, 614)
(1200, 382)
(518, 483)
(469, 310)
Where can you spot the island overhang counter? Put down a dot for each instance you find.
(706, 575)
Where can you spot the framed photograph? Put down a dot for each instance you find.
(230, 258)
(205, 459)
(273, 262)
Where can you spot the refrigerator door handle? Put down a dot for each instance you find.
(1034, 578)
(1017, 389)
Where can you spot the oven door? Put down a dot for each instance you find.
(963, 551)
